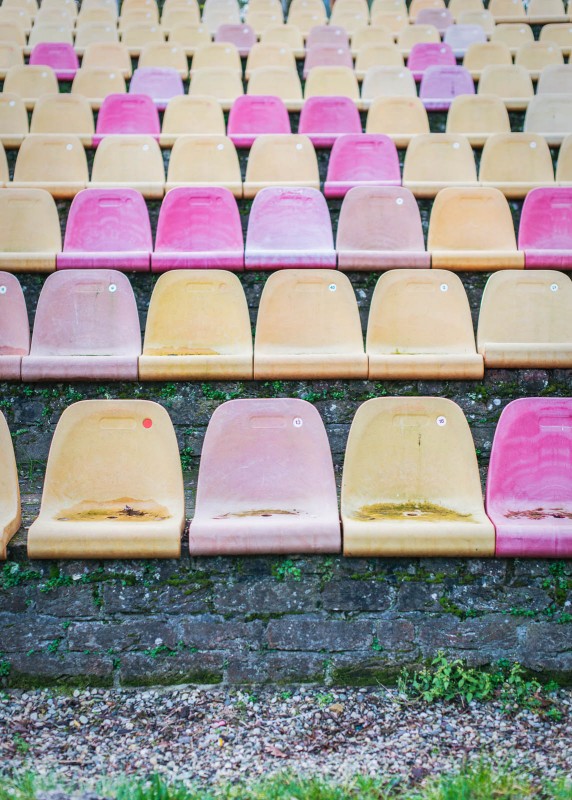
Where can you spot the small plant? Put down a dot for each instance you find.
(324, 700)
(286, 695)
(286, 569)
(20, 744)
(186, 458)
(5, 667)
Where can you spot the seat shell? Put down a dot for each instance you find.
(60, 56)
(14, 328)
(327, 55)
(555, 79)
(107, 55)
(165, 55)
(30, 82)
(10, 514)
(127, 161)
(332, 81)
(515, 163)
(461, 37)
(269, 54)
(205, 161)
(325, 119)
(424, 55)
(535, 56)
(253, 115)
(440, 86)
(64, 114)
(13, 120)
(127, 114)
(286, 161)
(512, 83)
(513, 34)
(282, 82)
(389, 82)
(54, 162)
(549, 115)
(377, 55)
(11, 55)
(435, 161)
(545, 231)
(186, 115)
(161, 84)
(222, 83)
(289, 35)
(362, 159)
(477, 116)
(486, 54)
(400, 118)
(242, 36)
(30, 233)
(560, 33)
(96, 84)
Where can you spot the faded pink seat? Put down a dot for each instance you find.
(440, 18)
(545, 232)
(86, 328)
(327, 34)
(241, 36)
(14, 327)
(440, 85)
(380, 228)
(362, 159)
(289, 228)
(327, 55)
(198, 228)
(252, 115)
(107, 228)
(266, 482)
(161, 84)
(127, 114)
(324, 119)
(529, 482)
(461, 37)
(61, 57)
(430, 54)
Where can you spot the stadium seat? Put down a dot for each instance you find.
(461, 37)
(289, 227)
(96, 16)
(472, 229)
(332, 81)
(371, 35)
(10, 515)
(10, 32)
(253, 115)
(400, 118)
(550, 116)
(113, 485)
(529, 481)
(394, 500)
(434, 161)
(164, 55)
(52, 34)
(477, 116)
(486, 54)
(198, 328)
(559, 33)
(541, 12)
(440, 18)
(4, 172)
(525, 321)
(389, 6)
(260, 21)
(204, 161)
(127, 114)
(220, 13)
(282, 82)
(161, 84)
(379, 228)
(30, 233)
(60, 57)
(107, 55)
(30, 83)
(64, 114)
(511, 83)
(184, 15)
(13, 120)
(331, 35)
(14, 328)
(387, 82)
(217, 55)
(484, 19)
(327, 55)
(417, 34)
(243, 37)
(15, 24)
(94, 33)
(280, 160)
(368, 159)
(266, 481)
(308, 328)
(191, 115)
(394, 21)
(86, 328)
(377, 55)
(97, 83)
(440, 86)
(129, 162)
(407, 338)
(515, 163)
(54, 162)
(429, 55)
(535, 56)
(11, 55)
(349, 20)
(555, 79)
(269, 55)
(545, 231)
(421, 5)
(507, 10)
(305, 20)
(286, 35)
(198, 228)
(221, 83)
(324, 119)
(140, 35)
(189, 37)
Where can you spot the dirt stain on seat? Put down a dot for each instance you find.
(424, 512)
(259, 512)
(540, 513)
(124, 509)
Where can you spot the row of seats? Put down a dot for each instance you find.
(308, 327)
(114, 486)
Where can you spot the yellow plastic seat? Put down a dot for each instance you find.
(30, 6)
(56, 163)
(477, 116)
(306, 19)
(30, 235)
(13, 120)
(482, 18)
(205, 161)
(64, 114)
(165, 54)
(198, 328)
(550, 116)
(133, 162)
(511, 83)
(10, 515)
(55, 16)
(534, 56)
(133, 5)
(458, 7)
(555, 79)
(540, 12)
(217, 55)
(220, 12)
(472, 230)
(389, 82)
(265, 5)
(513, 35)
(332, 81)
(281, 160)
(70, 6)
(287, 35)
(564, 164)
(180, 16)
(434, 161)
(189, 37)
(370, 35)
(281, 82)
(349, 20)
(394, 21)
(30, 83)
(138, 17)
(200, 116)
(95, 83)
(484, 54)
(261, 20)
(48, 33)
(406, 337)
(95, 33)
(507, 10)
(401, 118)
(515, 163)
(224, 84)
(111, 5)
(395, 502)
(418, 5)
(96, 16)
(559, 33)
(137, 36)
(113, 486)
(525, 320)
(108, 56)
(417, 34)
(264, 54)
(18, 22)
(377, 55)
(388, 7)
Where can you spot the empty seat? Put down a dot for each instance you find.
(371, 36)
(222, 83)
(217, 55)
(14, 328)
(129, 162)
(461, 37)
(127, 114)
(289, 228)
(429, 55)
(400, 118)
(549, 115)
(175, 17)
(198, 328)
(161, 84)
(251, 116)
(107, 55)
(516, 163)
(11, 55)
(138, 16)
(49, 33)
(308, 327)
(472, 229)
(507, 10)
(9, 32)
(525, 320)
(545, 231)
(349, 20)
(15, 23)
(387, 82)
(540, 12)
(535, 56)
(477, 117)
(189, 37)
(486, 54)
(13, 120)
(281, 161)
(325, 119)
(560, 33)
(377, 55)
(512, 35)
(260, 20)
(513, 84)
(96, 16)
(191, 115)
(529, 481)
(362, 159)
(86, 328)
(60, 57)
(440, 86)
(394, 21)
(54, 162)
(94, 33)
(241, 36)
(420, 5)
(216, 14)
(107, 228)
(30, 233)
(113, 486)
(198, 228)
(305, 20)
(288, 35)
(394, 501)
(440, 18)
(436, 160)
(379, 228)
(10, 515)
(164, 55)
(484, 19)
(282, 82)
(269, 55)
(420, 328)
(139, 35)
(97, 83)
(205, 161)
(327, 55)
(66, 114)
(266, 481)
(417, 34)
(555, 79)
(329, 35)
(332, 81)
(30, 83)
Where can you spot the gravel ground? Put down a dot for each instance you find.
(208, 735)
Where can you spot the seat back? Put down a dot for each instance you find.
(269, 54)
(61, 57)
(241, 36)
(327, 55)
(534, 56)
(507, 10)
(128, 114)
(363, 158)
(14, 326)
(222, 83)
(206, 160)
(514, 157)
(477, 116)
(279, 159)
(559, 33)
(252, 115)
(217, 55)
(330, 34)
(193, 115)
(425, 55)
(337, 81)
(398, 117)
(13, 118)
(506, 82)
(51, 158)
(549, 115)
(546, 220)
(440, 18)
(31, 82)
(555, 79)
(440, 85)
(95, 33)
(439, 157)
(388, 82)
(159, 83)
(282, 82)
(96, 83)
(165, 55)
(107, 55)
(461, 37)
(485, 54)
(63, 113)
(417, 34)
(471, 219)
(323, 118)
(128, 159)
(30, 222)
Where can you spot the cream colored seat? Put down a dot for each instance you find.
(109, 56)
(140, 34)
(56, 163)
(556, 79)
(511, 83)
(95, 33)
(484, 19)
(205, 161)
(269, 55)
(13, 120)
(434, 161)
(401, 118)
(507, 10)
(30, 83)
(377, 55)
(458, 7)
(417, 34)
(64, 114)
(9, 32)
(477, 116)
(11, 55)
(485, 54)
(111, 5)
(348, 19)
(564, 164)
(43, 32)
(177, 16)
(127, 161)
(370, 35)
(95, 83)
(30, 6)
(138, 16)
(201, 116)
(394, 21)
(96, 16)
(540, 12)
(387, 82)
(189, 37)
(18, 21)
(30, 235)
(535, 56)
(306, 19)
(513, 35)
(281, 82)
(281, 160)
(224, 84)
(515, 163)
(550, 116)
(165, 54)
(332, 81)
(287, 35)
(10, 515)
(559, 33)
(220, 12)
(217, 55)
(261, 20)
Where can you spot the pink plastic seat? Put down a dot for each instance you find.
(440, 85)
(365, 159)
(198, 228)
(424, 55)
(324, 119)
(86, 328)
(327, 55)
(266, 482)
(107, 228)
(61, 57)
(289, 228)
(14, 327)
(161, 84)
(380, 228)
(440, 18)
(242, 36)
(529, 482)
(461, 37)
(127, 114)
(252, 115)
(327, 34)
(545, 232)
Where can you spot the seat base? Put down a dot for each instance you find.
(374, 260)
(527, 355)
(476, 260)
(548, 259)
(426, 366)
(27, 262)
(199, 367)
(309, 366)
(10, 368)
(79, 368)
(341, 188)
(129, 261)
(289, 259)
(164, 260)
(534, 538)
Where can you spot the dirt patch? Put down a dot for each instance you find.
(424, 512)
(122, 509)
(540, 513)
